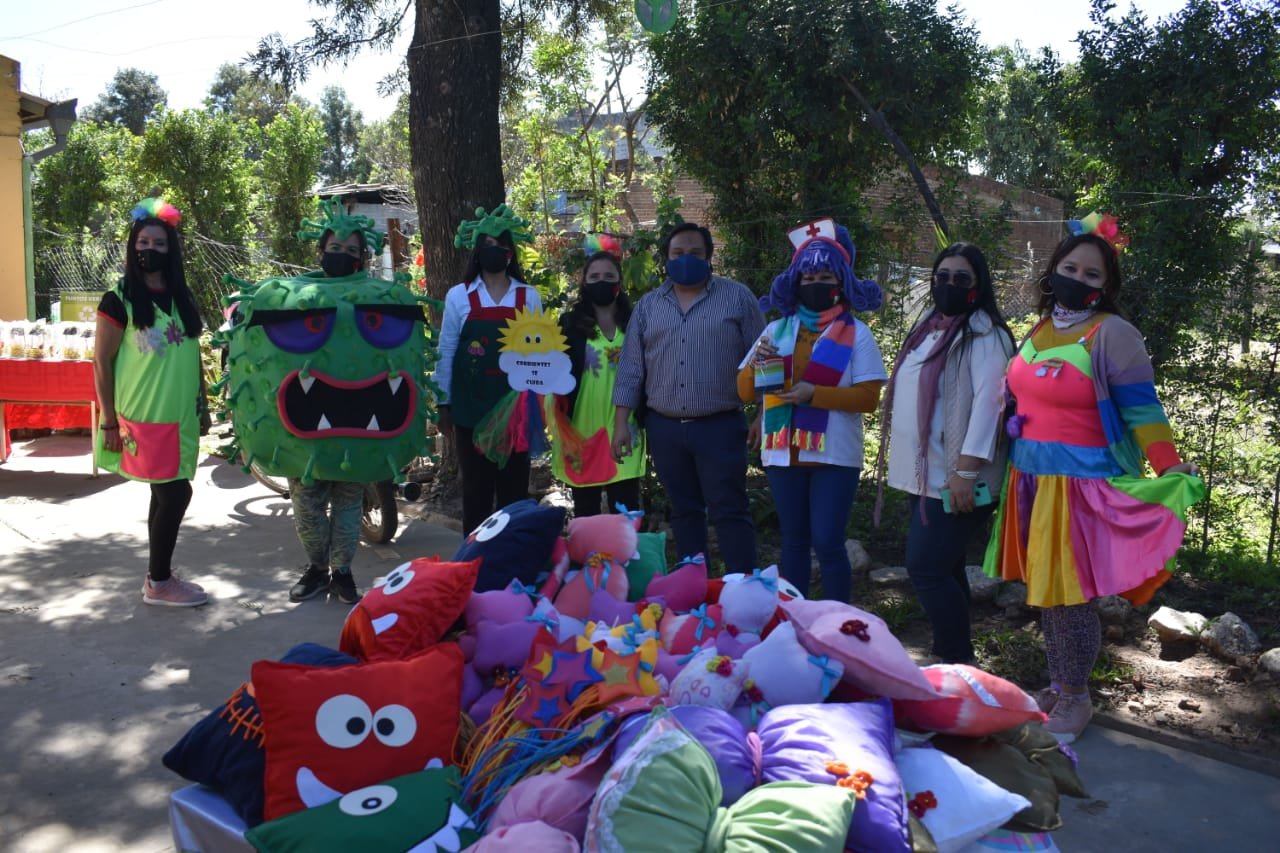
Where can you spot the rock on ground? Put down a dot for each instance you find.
(981, 587)
(1176, 625)
(859, 559)
(1270, 661)
(889, 574)
(1229, 638)
(1012, 594)
(1113, 609)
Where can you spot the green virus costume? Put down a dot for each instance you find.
(157, 382)
(327, 376)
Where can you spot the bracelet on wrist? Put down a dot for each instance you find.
(967, 475)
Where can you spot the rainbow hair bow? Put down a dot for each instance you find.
(595, 243)
(156, 208)
(1102, 225)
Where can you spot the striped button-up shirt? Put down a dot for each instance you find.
(684, 364)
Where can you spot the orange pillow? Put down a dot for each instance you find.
(409, 609)
(330, 731)
(970, 702)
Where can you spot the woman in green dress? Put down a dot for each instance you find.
(594, 327)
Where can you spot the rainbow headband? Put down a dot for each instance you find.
(156, 208)
(334, 217)
(1100, 225)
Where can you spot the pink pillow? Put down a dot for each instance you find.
(684, 588)
(600, 572)
(611, 534)
(682, 632)
(873, 658)
(523, 837)
(560, 798)
(500, 606)
(559, 568)
(970, 702)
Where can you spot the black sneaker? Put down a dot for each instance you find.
(343, 587)
(314, 580)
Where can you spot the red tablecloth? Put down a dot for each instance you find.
(54, 395)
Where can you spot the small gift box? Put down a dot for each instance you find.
(771, 375)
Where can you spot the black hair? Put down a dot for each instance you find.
(514, 271)
(135, 283)
(1110, 265)
(364, 245)
(581, 316)
(665, 247)
(986, 300)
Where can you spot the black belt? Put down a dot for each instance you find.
(684, 420)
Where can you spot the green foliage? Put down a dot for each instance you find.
(754, 100)
(85, 185)
(237, 92)
(899, 612)
(342, 161)
(1015, 654)
(385, 144)
(292, 145)
(133, 98)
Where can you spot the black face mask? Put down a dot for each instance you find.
(603, 291)
(818, 296)
(493, 258)
(951, 300)
(151, 260)
(1073, 295)
(338, 264)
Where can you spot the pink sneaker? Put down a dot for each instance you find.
(1071, 714)
(174, 592)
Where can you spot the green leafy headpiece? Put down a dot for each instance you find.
(502, 218)
(334, 217)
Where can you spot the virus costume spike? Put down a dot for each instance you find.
(492, 224)
(334, 217)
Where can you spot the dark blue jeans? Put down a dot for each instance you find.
(935, 563)
(702, 464)
(813, 504)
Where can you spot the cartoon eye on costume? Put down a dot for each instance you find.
(343, 721)
(368, 801)
(491, 526)
(787, 588)
(387, 326)
(296, 331)
(396, 580)
(394, 725)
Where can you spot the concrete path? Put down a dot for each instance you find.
(95, 686)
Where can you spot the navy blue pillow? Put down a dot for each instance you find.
(514, 542)
(224, 750)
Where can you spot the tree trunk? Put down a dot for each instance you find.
(455, 66)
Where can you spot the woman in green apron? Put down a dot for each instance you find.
(470, 381)
(147, 375)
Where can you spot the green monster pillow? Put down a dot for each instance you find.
(418, 811)
(326, 377)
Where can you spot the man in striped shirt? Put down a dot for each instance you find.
(680, 360)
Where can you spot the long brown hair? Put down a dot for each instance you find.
(1110, 265)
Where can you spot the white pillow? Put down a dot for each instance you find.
(968, 805)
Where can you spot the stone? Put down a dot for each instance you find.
(859, 559)
(1270, 661)
(557, 498)
(1189, 705)
(890, 574)
(1237, 673)
(1229, 638)
(981, 588)
(1175, 625)
(1012, 594)
(1114, 633)
(1113, 609)
(1135, 708)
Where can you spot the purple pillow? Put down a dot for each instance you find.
(503, 646)
(560, 798)
(500, 606)
(728, 743)
(523, 837)
(799, 740)
(606, 608)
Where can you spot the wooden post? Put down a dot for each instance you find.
(399, 245)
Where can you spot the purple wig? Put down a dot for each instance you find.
(815, 256)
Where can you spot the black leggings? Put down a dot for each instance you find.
(168, 505)
(483, 480)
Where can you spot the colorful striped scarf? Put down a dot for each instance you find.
(802, 426)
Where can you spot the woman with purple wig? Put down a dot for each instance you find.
(819, 369)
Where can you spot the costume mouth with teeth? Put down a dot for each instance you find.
(327, 377)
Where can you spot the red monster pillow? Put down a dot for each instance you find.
(970, 702)
(333, 731)
(409, 609)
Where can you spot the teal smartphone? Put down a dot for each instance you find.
(981, 496)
